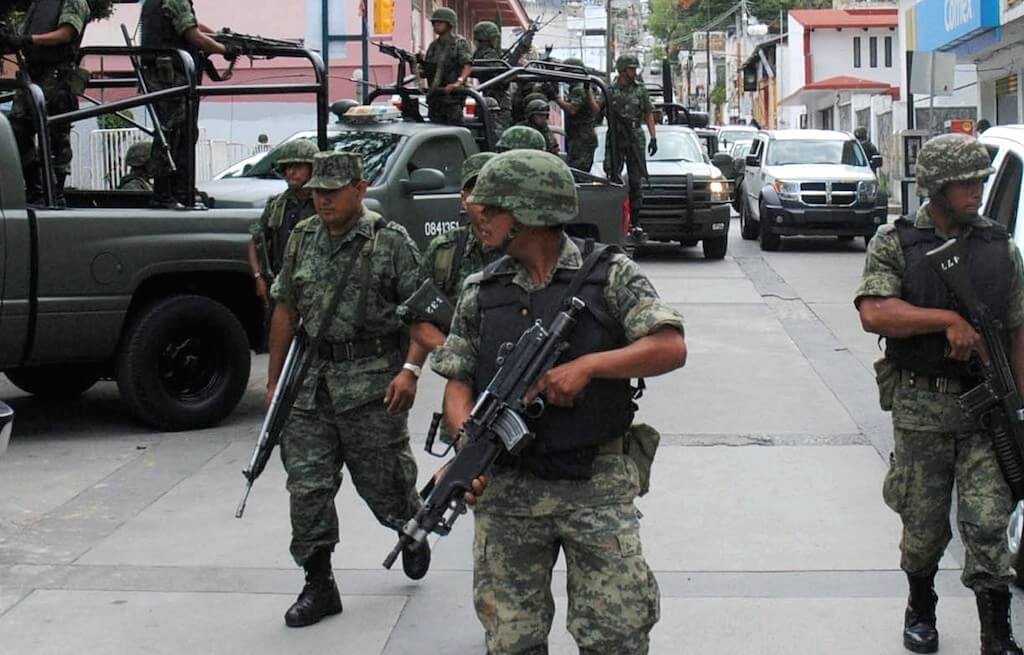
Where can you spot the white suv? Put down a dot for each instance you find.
(1003, 197)
(813, 182)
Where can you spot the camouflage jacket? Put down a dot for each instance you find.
(280, 216)
(312, 263)
(921, 409)
(134, 183)
(585, 118)
(446, 55)
(631, 105)
(549, 136)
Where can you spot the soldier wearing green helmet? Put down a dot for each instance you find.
(487, 36)
(582, 113)
(929, 343)
(573, 488)
(281, 214)
(447, 66)
(631, 108)
(520, 137)
(137, 161)
(538, 112)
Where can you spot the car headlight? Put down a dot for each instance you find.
(787, 190)
(719, 191)
(867, 190)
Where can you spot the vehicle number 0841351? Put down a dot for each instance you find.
(435, 228)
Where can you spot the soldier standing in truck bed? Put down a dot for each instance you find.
(447, 66)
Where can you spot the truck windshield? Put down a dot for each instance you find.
(815, 152)
(375, 147)
(677, 146)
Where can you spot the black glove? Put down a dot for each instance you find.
(586, 85)
(550, 90)
(11, 42)
(652, 147)
(232, 52)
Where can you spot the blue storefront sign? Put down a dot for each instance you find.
(944, 24)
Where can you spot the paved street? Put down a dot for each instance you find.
(765, 523)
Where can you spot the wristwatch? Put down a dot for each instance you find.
(257, 275)
(416, 370)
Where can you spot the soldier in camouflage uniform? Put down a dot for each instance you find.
(583, 112)
(928, 344)
(488, 46)
(520, 137)
(537, 116)
(352, 408)
(632, 108)
(137, 161)
(49, 40)
(572, 490)
(173, 24)
(281, 214)
(447, 66)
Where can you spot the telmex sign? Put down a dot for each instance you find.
(942, 24)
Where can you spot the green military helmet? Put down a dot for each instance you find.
(574, 61)
(520, 137)
(536, 186)
(951, 158)
(138, 154)
(100, 9)
(535, 107)
(485, 30)
(333, 170)
(445, 15)
(472, 165)
(626, 61)
(534, 95)
(299, 151)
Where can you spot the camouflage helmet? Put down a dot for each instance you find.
(520, 137)
(444, 15)
(138, 154)
(534, 95)
(299, 151)
(472, 165)
(951, 158)
(552, 190)
(485, 30)
(574, 61)
(333, 170)
(535, 107)
(626, 61)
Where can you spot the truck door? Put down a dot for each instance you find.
(16, 307)
(426, 214)
(752, 177)
(1003, 202)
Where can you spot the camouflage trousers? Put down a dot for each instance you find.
(55, 82)
(442, 108)
(523, 522)
(580, 150)
(174, 120)
(372, 444)
(919, 487)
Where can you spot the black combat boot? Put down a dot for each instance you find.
(320, 597)
(919, 633)
(416, 560)
(994, 615)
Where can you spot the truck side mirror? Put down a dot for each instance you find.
(752, 161)
(424, 179)
(876, 162)
(723, 162)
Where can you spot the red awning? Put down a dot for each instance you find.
(511, 12)
(841, 84)
(825, 18)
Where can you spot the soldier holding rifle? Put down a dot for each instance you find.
(930, 345)
(447, 66)
(345, 271)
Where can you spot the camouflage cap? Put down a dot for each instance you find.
(333, 170)
(299, 151)
(626, 61)
(485, 30)
(951, 158)
(537, 107)
(536, 186)
(445, 15)
(138, 153)
(520, 137)
(472, 165)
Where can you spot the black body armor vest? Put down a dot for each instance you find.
(989, 266)
(44, 16)
(158, 32)
(566, 437)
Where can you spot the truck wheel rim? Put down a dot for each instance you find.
(190, 367)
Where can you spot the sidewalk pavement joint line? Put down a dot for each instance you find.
(10, 607)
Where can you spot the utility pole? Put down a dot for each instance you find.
(609, 39)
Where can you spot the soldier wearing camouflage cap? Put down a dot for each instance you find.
(538, 112)
(345, 271)
(573, 488)
(281, 214)
(487, 36)
(631, 108)
(582, 113)
(137, 161)
(520, 137)
(929, 342)
(447, 66)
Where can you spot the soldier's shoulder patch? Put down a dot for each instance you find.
(309, 224)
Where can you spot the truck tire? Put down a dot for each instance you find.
(183, 364)
(715, 247)
(56, 381)
(748, 228)
(770, 241)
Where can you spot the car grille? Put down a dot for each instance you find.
(669, 197)
(828, 194)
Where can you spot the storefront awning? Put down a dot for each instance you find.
(511, 12)
(844, 85)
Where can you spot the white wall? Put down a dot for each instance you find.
(833, 54)
(794, 59)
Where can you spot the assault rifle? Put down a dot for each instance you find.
(405, 58)
(522, 45)
(251, 45)
(496, 424)
(995, 403)
(296, 365)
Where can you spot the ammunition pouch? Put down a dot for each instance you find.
(887, 376)
(640, 444)
(78, 80)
